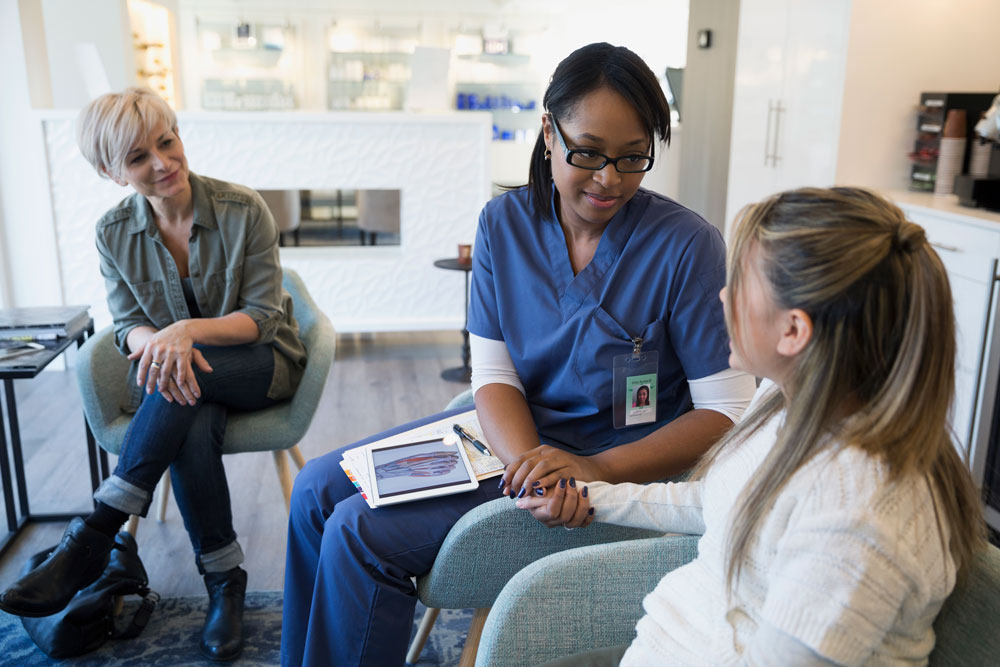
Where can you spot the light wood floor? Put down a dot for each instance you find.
(377, 381)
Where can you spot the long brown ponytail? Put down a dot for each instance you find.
(879, 371)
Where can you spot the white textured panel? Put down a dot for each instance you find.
(440, 163)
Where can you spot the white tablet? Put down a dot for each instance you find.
(400, 473)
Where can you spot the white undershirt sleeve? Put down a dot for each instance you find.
(728, 392)
(491, 364)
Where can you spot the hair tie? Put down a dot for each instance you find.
(908, 237)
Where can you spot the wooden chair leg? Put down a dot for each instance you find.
(426, 625)
(468, 658)
(163, 496)
(284, 476)
(296, 455)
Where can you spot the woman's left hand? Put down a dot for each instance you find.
(564, 505)
(169, 353)
(542, 468)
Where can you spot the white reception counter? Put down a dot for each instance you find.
(439, 162)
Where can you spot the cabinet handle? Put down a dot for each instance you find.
(778, 110)
(942, 246)
(767, 132)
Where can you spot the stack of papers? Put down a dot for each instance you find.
(355, 461)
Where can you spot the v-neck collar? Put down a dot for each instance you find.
(573, 290)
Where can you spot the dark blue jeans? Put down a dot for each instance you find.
(188, 440)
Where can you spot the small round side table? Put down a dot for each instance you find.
(461, 373)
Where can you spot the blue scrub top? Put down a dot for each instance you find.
(656, 274)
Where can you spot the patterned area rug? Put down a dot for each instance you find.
(172, 636)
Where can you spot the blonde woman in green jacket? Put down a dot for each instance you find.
(194, 288)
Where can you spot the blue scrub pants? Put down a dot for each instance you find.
(348, 595)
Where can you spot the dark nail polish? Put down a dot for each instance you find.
(572, 482)
(512, 494)
(535, 483)
(502, 482)
(584, 494)
(520, 494)
(562, 484)
(590, 511)
(540, 492)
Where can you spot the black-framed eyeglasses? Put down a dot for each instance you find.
(584, 158)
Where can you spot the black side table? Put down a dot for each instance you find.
(23, 368)
(461, 373)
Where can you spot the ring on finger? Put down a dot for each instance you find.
(567, 528)
(154, 364)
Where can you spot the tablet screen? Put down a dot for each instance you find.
(418, 466)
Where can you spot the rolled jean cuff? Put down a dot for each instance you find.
(221, 560)
(123, 496)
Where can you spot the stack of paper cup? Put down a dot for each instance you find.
(979, 159)
(951, 153)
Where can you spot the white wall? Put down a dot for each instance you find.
(707, 109)
(898, 49)
(103, 23)
(35, 53)
(28, 261)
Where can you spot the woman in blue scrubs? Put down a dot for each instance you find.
(575, 277)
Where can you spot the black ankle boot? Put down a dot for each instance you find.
(222, 636)
(77, 562)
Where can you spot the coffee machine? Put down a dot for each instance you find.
(981, 192)
(981, 185)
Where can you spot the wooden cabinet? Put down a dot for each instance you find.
(790, 59)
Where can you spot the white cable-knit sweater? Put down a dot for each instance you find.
(846, 563)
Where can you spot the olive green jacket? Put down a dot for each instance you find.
(233, 265)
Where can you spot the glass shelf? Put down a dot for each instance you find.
(261, 53)
(368, 65)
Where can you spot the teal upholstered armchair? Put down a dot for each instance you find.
(488, 546)
(592, 597)
(100, 369)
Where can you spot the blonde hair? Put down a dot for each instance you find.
(113, 123)
(878, 372)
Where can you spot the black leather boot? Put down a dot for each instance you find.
(222, 636)
(77, 562)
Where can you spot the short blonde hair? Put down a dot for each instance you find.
(110, 126)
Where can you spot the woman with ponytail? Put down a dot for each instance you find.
(837, 515)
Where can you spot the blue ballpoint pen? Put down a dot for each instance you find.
(472, 441)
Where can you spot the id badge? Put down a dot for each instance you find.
(634, 392)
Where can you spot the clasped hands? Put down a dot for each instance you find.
(543, 480)
(165, 364)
